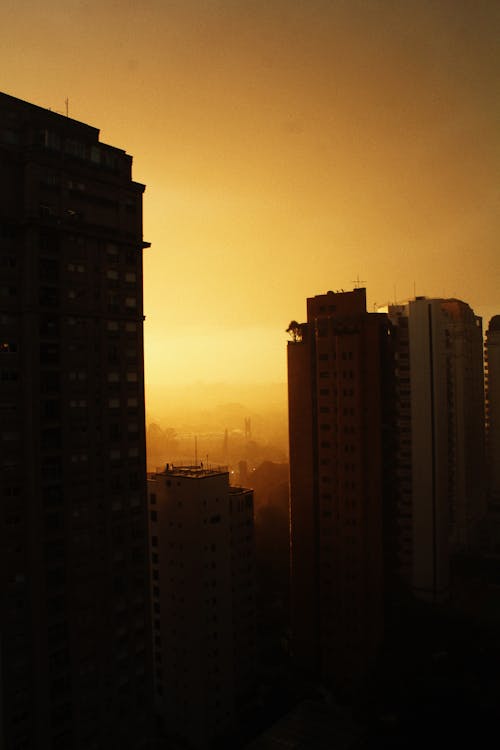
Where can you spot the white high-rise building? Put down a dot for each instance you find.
(440, 411)
(421, 380)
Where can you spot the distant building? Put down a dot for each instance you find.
(75, 656)
(203, 590)
(440, 452)
(340, 398)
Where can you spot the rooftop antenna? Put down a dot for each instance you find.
(66, 101)
(357, 281)
(196, 450)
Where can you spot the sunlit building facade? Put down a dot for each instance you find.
(203, 595)
(339, 388)
(75, 655)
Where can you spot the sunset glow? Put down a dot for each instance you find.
(287, 148)
(249, 374)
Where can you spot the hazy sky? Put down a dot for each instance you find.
(287, 146)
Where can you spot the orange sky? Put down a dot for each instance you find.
(287, 146)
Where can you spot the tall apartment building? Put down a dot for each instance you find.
(440, 456)
(423, 456)
(203, 591)
(75, 650)
(492, 380)
(490, 529)
(468, 478)
(339, 389)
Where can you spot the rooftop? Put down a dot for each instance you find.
(495, 323)
(194, 471)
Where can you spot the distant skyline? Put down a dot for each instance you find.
(287, 147)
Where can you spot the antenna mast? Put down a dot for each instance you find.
(357, 281)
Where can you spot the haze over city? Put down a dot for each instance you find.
(249, 374)
(288, 148)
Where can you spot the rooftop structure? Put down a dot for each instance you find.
(196, 471)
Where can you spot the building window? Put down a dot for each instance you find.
(75, 148)
(95, 155)
(8, 347)
(50, 139)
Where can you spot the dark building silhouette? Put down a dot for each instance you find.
(339, 380)
(203, 591)
(75, 649)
